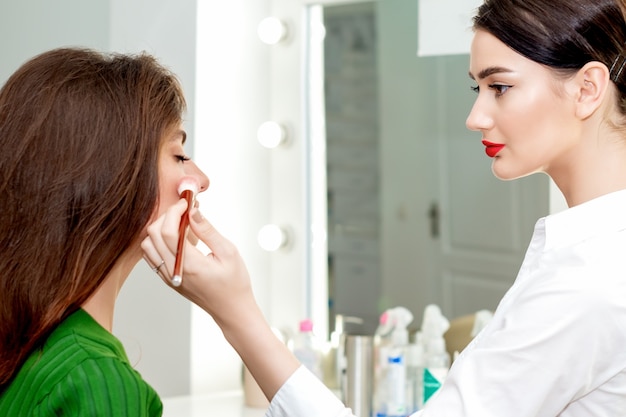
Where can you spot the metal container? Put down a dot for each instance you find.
(359, 379)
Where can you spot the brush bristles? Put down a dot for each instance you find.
(189, 184)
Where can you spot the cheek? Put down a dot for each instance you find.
(534, 142)
(534, 123)
(168, 196)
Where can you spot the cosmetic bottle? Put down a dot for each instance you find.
(437, 366)
(334, 356)
(437, 359)
(382, 344)
(395, 392)
(416, 363)
(307, 348)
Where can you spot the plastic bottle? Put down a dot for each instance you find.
(382, 337)
(437, 360)
(307, 349)
(382, 343)
(416, 362)
(396, 403)
(437, 366)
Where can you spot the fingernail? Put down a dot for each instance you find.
(197, 216)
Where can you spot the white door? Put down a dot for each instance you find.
(485, 223)
(449, 232)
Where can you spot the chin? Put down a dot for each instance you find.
(509, 175)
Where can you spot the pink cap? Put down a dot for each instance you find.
(306, 325)
(189, 183)
(384, 317)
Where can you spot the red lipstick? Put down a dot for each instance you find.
(492, 149)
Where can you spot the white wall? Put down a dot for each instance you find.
(29, 27)
(232, 101)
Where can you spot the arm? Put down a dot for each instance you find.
(554, 344)
(219, 283)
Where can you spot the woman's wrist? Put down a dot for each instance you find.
(266, 356)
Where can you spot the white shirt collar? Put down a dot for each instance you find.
(595, 217)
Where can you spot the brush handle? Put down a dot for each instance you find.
(177, 279)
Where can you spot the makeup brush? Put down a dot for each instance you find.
(187, 189)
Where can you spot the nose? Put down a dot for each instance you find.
(478, 119)
(193, 170)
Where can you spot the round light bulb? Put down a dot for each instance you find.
(272, 30)
(271, 134)
(271, 237)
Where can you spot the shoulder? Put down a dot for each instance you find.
(578, 299)
(82, 369)
(96, 377)
(101, 386)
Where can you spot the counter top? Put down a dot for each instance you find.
(229, 404)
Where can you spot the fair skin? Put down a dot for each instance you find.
(550, 125)
(219, 283)
(537, 121)
(173, 166)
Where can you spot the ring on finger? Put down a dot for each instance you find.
(158, 267)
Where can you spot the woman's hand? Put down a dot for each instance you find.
(218, 282)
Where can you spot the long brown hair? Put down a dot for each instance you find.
(80, 133)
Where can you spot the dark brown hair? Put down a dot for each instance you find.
(561, 34)
(80, 134)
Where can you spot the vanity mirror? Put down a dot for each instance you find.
(402, 206)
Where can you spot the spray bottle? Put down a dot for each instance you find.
(382, 343)
(434, 325)
(396, 402)
(481, 320)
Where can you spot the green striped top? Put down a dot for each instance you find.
(82, 370)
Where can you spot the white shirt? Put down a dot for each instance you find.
(556, 345)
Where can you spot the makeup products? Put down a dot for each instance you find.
(187, 189)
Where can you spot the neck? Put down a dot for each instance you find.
(101, 304)
(594, 168)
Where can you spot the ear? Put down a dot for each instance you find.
(591, 85)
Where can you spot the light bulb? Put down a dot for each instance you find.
(271, 30)
(271, 134)
(272, 237)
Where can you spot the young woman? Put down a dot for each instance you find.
(92, 152)
(550, 77)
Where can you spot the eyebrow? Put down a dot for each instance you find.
(489, 71)
(178, 133)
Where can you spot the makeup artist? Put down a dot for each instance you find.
(92, 152)
(550, 78)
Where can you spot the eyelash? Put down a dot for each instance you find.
(183, 158)
(500, 89)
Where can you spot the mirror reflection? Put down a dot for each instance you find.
(414, 215)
